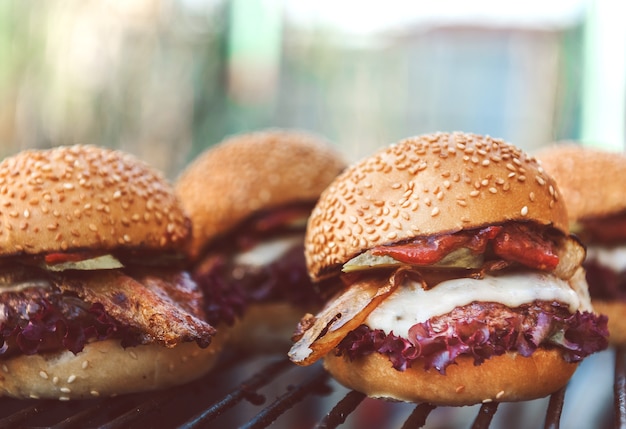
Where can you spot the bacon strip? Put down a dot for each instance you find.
(342, 314)
(151, 303)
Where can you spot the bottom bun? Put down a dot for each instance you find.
(509, 377)
(615, 311)
(266, 328)
(103, 369)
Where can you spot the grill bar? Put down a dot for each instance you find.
(23, 415)
(82, 417)
(316, 383)
(619, 389)
(555, 407)
(485, 415)
(338, 414)
(244, 391)
(418, 417)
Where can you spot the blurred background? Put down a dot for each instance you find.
(165, 79)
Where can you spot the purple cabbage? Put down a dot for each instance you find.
(439, 344)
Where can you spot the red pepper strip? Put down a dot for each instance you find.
(521, 245)
(515, 243)
(423, 251)
(57, 258)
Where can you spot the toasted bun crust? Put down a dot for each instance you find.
(591, 180)
(426, 185)
(104, 368)
(615, 311)
(251, 172)
(74, 197)
(509, 377)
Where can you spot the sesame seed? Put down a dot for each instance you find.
(71, 379)
(500, 394)
(94, 393)
(474, 193)
(493, 190)
(540, 180)
(434, 212)
(65, 389)
(64, 398)
(33, 396)
(5, 368)
(459, 389)
(85, 364)
(133, 354)
(392, 235)
(43, 374)
(55, 380)
(486, 401)
(92, 227)
(521, 178)
(524, 211)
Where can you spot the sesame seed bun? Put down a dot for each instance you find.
(591, 180)
(104, 369)
(251, 172)
(90, 198)
(508, 377)
(75, 197)
(424, 185)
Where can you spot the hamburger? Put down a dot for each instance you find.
(249, 198)
(597, 214)
(460, 281)
(93, 300)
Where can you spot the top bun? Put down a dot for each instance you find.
(591, 180)
(76, 197)
(424, 185)
(251, 172)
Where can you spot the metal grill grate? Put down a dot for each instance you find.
(258, 392)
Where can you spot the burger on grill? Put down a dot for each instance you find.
(92, 298)
(249, 198)
(461, 283)
(592, 183)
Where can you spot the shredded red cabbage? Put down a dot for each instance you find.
(227, 295)
(49, 329)
(439, 344)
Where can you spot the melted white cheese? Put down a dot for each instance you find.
(266, 252)
(613, 258)
(410, 304)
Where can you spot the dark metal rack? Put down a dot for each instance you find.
(263, 391)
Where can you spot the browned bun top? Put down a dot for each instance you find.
(591, 180)
(251, 172)
(74, 197)
(425, 185)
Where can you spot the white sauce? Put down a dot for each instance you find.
(614, 257)
(410, 304)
